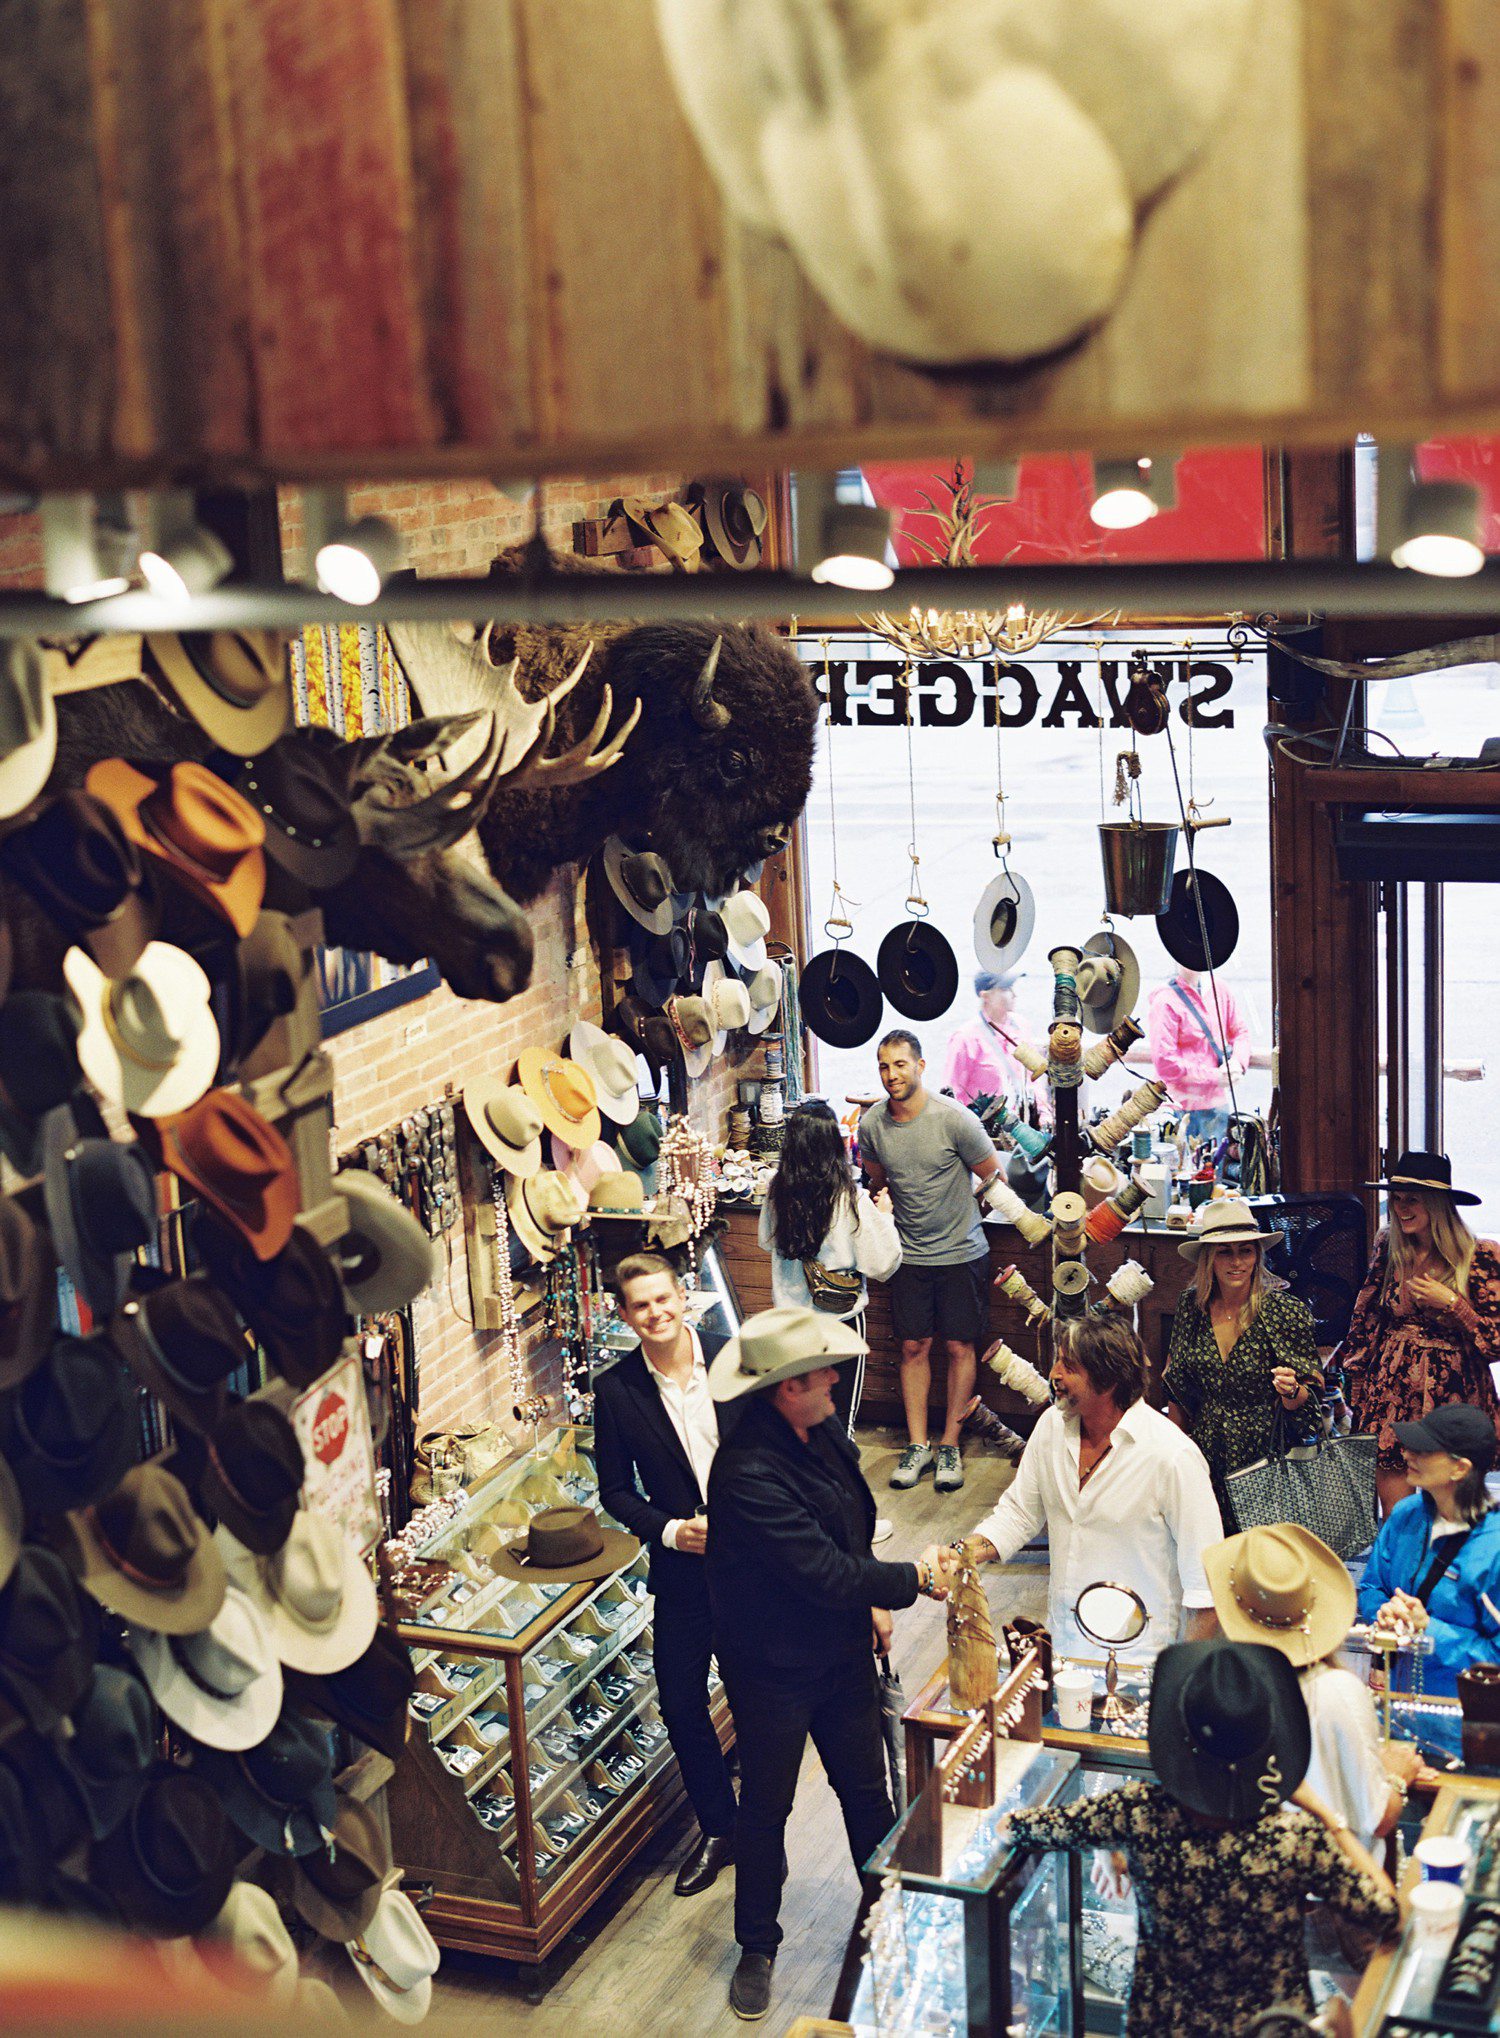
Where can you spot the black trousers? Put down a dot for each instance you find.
(684, 1642)
(839, 1706)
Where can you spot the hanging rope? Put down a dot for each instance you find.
(1103, 718)
(1002, 834)
(916, 904)
(838, 910)
(1213, 981)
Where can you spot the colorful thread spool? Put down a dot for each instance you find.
(1108, 1133)
(1015, 1287)
(1064, 1054)
(1111, 1218)
(1029, 1139)
(1115, 1045)
(1068, 1213)
(999, 1196)
(1070, 1280)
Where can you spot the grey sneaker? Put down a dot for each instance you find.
(949, 1475)
(911, 1464)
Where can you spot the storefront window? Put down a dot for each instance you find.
(1058, 758)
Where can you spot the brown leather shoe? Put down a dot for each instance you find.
(701, 1868)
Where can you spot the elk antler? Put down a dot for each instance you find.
(434, 820)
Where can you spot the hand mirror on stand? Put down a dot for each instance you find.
(1112, 1616)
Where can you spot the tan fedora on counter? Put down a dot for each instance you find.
(544, 1208)
(507, 1124)
(563, 1094)
(1282, 1586)
(780, 1344)
(564, 1546)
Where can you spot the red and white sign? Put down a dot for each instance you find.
(332, 1421)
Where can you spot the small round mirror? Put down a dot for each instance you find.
(1114, 1616)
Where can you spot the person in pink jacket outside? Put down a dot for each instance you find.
(981, 1056)
(1183, 1033)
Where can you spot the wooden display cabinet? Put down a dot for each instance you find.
(505, 1837)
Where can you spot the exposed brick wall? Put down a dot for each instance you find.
(21, 551)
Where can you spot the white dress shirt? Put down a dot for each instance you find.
(690, 1410)
(1144, 1518)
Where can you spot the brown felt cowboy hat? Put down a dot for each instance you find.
(234, 683)
(239, 1164)
(199, 831)
(563, 1093)
(144, 1553)
(336, 1890)
(642, 883)
(562, 1546)
(735, 518)
(1282, 1586)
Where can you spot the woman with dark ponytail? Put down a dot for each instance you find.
(825, 1234)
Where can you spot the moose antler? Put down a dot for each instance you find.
(434, 820)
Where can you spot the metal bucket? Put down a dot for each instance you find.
(1138, 861)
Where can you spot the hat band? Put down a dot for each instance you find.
(131, 1050)
(366, 1958)
(178, 1379)
(567, 1105)
(234, 1492)
(150, 1581)
(214, 674)
(177, 1649)
(179, 851)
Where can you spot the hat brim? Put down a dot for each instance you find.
(574, 1132)
(236, 898)
(516, 1160)
(656, 919)
(385, 1258)
(1329, 1619)
(726, 1382)
(1003, 889)
(407, 2006)
(194, 1604)
(1243, 1235)
(751, 956)
(101, 1278)
(149, 1092)
(321, 865)
(1464, 1197)
(1104, 1018)
(1178, 928)
(1418, 1438)
(230, 1724)
(131, 1338)
(856, 1018)
(618, 1551)
(329, 1696)
(263, 1823)
(315, 1652)
(915, 949)
(244, 732)
(1213, 1788)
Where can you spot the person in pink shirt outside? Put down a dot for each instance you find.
(981, 1055)
(1183, 1033)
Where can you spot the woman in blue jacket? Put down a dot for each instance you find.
(1436, 1561)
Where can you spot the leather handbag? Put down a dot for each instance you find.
(831, 1289)
(1327, 1486)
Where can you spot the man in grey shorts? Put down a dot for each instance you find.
(928, 1151)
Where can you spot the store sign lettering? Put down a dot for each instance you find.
(871, 693)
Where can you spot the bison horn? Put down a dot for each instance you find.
(707, 712)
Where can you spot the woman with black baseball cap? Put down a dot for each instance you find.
(1436, 1561)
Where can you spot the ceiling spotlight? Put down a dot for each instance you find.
(1130, 492)
(854, 540)
(77, 563)
(1440, 525)
(185, 557)
(351, 558)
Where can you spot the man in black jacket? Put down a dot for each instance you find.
(799, 1604)
(656, 1430)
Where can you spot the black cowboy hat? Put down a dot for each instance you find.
(38, 1069)
(1415, 1170)
(113, 1742)
(1227, 1728)
(708, 936)
(170, 1861)
(1178, 926)
(918, 970)
(293, 1302)
(72, 1429)
(369, 1699)
(279, 1793)
(183, 1341)
(258, 987)
(254, 1474)
(297, 788)
(48, 1637)
(840, 998)
(649, 1033)
(77, 862)
(28, 1293)
(101, 1206)
(661, 964)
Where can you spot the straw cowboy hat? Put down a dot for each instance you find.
(1227, 1723)
(239, 1164)
(28, 725)
(618, 1192)
(747, 922)
(149, 1041)
(194, 827)
(543, 1209)
(1226, 1222)
(1003, 921)
(315, 1594)
(780, 1344)
(396, 1957)
(222, 1683)
(610, 1067)
(234, 683)
(642, 883)
(506, 1123)
(764, 990)
(564, 1545)
(671, 525)
(563, 1094)
(1109, 981)
(1425, 1171)
(77, 862)
(1284, 1587)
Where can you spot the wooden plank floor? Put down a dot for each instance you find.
(644, 1960)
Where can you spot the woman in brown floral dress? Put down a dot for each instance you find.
(1222, 1866)
(1240, 1349)
(1426, 1326)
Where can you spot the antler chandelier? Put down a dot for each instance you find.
(968, 633)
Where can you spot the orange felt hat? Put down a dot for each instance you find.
(563, 1094)
(239, 1164)
(201, 830)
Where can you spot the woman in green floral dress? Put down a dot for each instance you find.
(1240, 1349)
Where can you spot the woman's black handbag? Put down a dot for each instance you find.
(1327, 1486)
(830, 1288)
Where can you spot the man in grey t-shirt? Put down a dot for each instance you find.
(928, 1151)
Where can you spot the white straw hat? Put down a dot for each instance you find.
(315, 1593)
(149, 1041)
(222, 1685)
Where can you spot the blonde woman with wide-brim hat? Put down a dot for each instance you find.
(1242, 1350)
(1426, 1325)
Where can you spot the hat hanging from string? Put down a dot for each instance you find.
(916, 966)
(1006, 913)
(840, 993)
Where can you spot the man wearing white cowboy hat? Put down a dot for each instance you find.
(798, 1601)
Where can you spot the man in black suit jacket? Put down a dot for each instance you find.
(799, 1606)
(656, 1429)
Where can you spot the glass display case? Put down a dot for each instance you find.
(970, 1935)
(538, 1760)
(713, 1307)
(1444, 1974)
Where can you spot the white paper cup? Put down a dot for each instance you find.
(1435, 1909)
(1443, 1858)
(1073, 1692)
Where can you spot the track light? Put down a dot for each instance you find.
(1131, 492)
(351, 560)
(184, 558)
(855, 536)
(81, 560)
(1429, 526)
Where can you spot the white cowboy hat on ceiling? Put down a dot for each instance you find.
(149, 1042)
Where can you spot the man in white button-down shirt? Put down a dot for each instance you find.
(1123, 1494)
